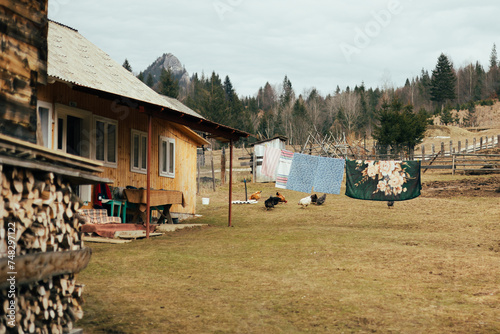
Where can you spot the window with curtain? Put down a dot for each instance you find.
(106, 143)
(139, 151)
(167, 157)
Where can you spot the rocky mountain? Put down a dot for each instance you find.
(166, 61)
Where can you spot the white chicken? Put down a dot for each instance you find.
(305, 201)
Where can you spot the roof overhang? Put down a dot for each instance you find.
(218, 131)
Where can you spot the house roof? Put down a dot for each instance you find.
(75, 60)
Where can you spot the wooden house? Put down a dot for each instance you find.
(94, 108)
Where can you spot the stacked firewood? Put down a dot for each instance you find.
(39, 211)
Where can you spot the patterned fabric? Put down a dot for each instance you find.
(329, 175)
(284, 164)
(383, 180)
(302, 172)
(97, 216)
(270, 161)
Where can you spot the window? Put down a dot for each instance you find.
(139, 151)
(45, 120)
(73, 131)
(106, 143)
(167, 157)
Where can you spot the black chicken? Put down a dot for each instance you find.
(271, 202)
(314, 198)
(321, 199)
(390, 204)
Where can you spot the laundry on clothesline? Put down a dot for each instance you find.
(329, 175)
(283, 170)
(302, 172)
(270, 161)
(383, 180)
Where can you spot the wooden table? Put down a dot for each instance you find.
(160, 200)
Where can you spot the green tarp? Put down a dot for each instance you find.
(383, 180)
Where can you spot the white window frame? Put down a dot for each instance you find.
(142, 135)
(162, 153)
(63, 111)
(48, 106)
(106, 121)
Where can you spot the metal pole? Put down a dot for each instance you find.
(148, 180)
(230, 181)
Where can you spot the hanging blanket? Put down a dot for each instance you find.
(383, 180)
(270, 161)
(284, 164)
(329, 175)
(302, 172)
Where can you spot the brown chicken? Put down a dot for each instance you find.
(256, 195)
(281, 197)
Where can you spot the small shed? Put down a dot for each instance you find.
(259, 148)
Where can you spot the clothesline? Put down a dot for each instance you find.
(369, 180)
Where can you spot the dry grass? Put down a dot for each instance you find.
(430, 265)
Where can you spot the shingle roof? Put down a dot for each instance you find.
(72, 58)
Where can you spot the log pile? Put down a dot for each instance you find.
(39, 211)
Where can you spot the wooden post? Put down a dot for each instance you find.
(212, 165)
(423, 153)
(223, 167)
(451, 147)
(453, 165)
(467, 146)
(254, 168)
(433, 149)
(198, 163)
(442, 149)
(148, 179)
(481, 143)
(474, 145)
(459, 146)
(230, 182)
(498, 140)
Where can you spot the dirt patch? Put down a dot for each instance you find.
(473, 187)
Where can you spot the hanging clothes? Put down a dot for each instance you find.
(284, 165)
(101, 191)
(329, 175)
(302, 172)
(383, 180)
(270, 161)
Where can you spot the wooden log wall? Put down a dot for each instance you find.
(41, 249)
(23, 65)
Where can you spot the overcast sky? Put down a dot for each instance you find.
(321, 44)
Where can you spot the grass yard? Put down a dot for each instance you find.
(430, 265)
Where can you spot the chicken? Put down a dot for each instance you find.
(390, 204)
(314, 198)
(281, 197)
(321, 199)
(271, 202)
(256, 195)
(305, 201)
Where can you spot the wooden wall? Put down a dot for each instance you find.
(23, 64)
(130, 118)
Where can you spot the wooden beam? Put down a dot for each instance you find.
(39, 266)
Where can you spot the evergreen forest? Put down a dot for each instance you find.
(277, 109)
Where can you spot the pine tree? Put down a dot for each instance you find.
(493, 57)
(443, 81)
(149, 80)
(140, 76)
(169, 86)
(126, 65)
